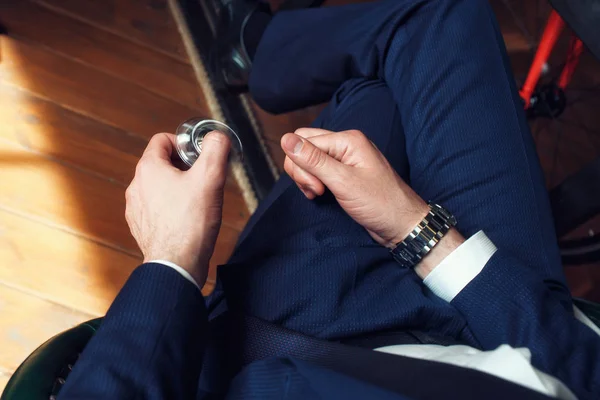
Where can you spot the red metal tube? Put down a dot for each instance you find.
(554, 27)
(575, 50)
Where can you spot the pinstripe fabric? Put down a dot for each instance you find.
(148, 345)
(428, 82)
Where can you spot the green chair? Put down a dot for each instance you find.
(43, 373)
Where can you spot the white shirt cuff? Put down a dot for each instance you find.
(177, 268)
(460, 267)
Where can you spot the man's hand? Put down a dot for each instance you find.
(364, 184)
(175, 215)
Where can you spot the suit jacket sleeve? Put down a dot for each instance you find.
(150, 344)
(509, 303)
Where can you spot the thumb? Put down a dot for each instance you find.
(211, 166)
(314, 160)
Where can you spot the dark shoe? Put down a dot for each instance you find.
(229, 56)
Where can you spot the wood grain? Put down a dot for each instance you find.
(60, 266)
(86, 204)
(88, 91)
(45, 127)
(68, 269)
(83, 85)
(108, 52)
(4, 377)
(36, 321)
(146, 22)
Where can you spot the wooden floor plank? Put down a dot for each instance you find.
(91, 92)
(89, 205)
(59, 266)
(42, 126)
(4, 377)
(147, 22)
(45, 127)
(86, 204)
(36, 321)
(168, 77)
(83, 85)
(68, 269)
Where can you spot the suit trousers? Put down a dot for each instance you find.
(430, 84)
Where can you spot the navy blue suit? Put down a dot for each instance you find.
(429, 83)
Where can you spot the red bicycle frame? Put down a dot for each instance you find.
(552, 31)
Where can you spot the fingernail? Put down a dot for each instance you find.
(293, 143)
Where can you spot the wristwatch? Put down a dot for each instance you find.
(424, 237)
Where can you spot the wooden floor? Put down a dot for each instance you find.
(83, 85)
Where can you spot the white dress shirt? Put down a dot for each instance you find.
(446, 281)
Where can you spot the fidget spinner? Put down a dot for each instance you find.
(191, 133)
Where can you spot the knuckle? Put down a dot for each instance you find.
(314, 157)
(141, 165)
(156, 137)
(357, 135)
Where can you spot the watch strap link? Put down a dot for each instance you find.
(424, 237)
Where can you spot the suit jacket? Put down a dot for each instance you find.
(153, 339)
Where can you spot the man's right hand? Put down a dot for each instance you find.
(360, 178)
(364, 184)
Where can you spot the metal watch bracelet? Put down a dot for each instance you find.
(424, 237)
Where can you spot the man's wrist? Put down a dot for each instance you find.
(198, 270)
(184, 273)
(450, 242)
(409, 222)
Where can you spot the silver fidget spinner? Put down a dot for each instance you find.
(189, 136)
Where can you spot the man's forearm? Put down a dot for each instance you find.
(450, 242)
(509, 303)
(155, 329)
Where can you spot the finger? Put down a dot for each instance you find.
(306, 182)
(316, 160)
(211, 166)
(160, 147)
(351, 148)
(308, 194)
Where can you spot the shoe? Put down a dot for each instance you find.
(228, 55)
